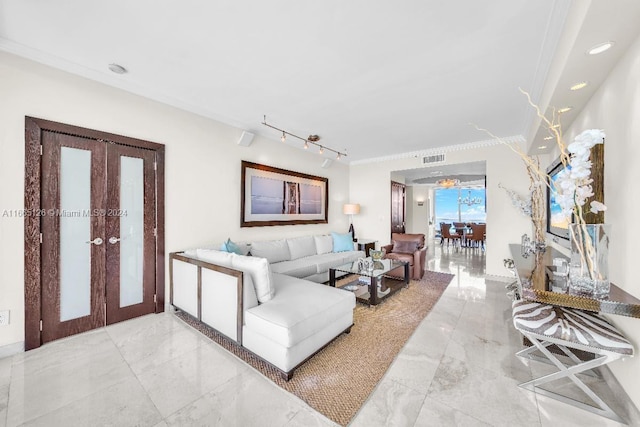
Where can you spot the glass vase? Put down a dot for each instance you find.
(589, 266)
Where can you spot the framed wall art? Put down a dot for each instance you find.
(273, 196)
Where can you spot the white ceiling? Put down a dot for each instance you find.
(373, 78)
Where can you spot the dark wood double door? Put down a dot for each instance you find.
(398, 192)
(98, 228)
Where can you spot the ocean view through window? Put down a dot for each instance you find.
(460, 204)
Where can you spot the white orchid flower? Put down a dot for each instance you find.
(597, 207)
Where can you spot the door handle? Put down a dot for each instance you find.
(114, 240)
(97, 241)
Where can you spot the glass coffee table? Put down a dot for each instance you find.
(372, 286)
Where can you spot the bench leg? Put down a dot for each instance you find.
(570, 372)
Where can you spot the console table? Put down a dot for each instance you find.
(536, 283)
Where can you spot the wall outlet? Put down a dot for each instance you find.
(4, 317)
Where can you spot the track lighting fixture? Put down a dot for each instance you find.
(311, 139)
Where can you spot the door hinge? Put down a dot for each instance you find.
(40, 325)
(155, 232)
(155, 166)
(155, 298)
(41, 149)
(40, 238)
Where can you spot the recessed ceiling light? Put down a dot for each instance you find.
(600, 47)
(548, 138)
(564, 109)
(117, 68)
(542, 147)
(579, 86)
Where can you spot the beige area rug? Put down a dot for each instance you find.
(340, 378)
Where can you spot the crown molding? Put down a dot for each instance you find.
(109, 79)
(515, 139)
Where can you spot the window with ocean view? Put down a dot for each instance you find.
(460, 205)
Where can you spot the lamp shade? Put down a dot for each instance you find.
(351, 209)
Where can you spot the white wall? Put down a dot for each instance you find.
(202, 166)
(418, 216)
(369, 184)
(615, 108)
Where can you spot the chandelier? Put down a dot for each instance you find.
(447, 182)
(470, 201)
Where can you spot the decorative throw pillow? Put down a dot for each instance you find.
(215, 257)
(342, 242)
(260, 273)
(324, 244)
(404, 246)
(231, 247)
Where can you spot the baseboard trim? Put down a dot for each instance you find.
(496, 278)
(11, 349)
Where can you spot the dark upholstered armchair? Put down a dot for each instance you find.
(410, 248)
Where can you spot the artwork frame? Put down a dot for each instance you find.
(272, 196)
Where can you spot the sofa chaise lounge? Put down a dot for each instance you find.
(272, 304)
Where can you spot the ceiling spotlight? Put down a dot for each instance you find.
(542, 147)
(310, 140)
(600, 47)
(548, 138)
(579, 86)
(117, 68)
(564, 110)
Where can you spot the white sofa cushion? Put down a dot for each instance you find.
(249, 297)
(260, 273)
(324, 244)
(225, 259)
(299, 310)
(326, 261)
(272, 250)
(301, 247)
(214, 256)
(301, 267)
(288, 358)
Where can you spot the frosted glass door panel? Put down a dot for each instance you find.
(75, 232)
(131, 230)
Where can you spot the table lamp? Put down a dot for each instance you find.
(351, 209)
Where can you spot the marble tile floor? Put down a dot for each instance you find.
(458, 369)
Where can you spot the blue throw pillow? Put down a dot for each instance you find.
(342, 242)
(230, 247)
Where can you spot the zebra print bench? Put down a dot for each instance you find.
(546, 325)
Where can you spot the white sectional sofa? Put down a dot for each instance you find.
(269, 303)
(308, 257)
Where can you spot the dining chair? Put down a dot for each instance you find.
(445, 230)
(477, 235)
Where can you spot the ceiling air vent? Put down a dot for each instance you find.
(436, 158)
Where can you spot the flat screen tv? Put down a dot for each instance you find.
(557, 225)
